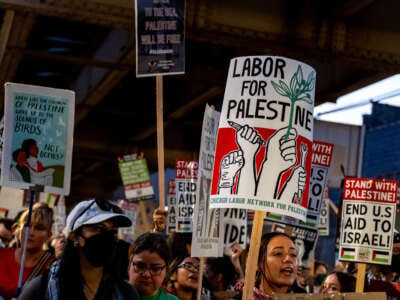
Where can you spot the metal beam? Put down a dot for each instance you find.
(101, 90)
(210, 94)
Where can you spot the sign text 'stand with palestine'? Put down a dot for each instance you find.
(368, 218)
(263, 154)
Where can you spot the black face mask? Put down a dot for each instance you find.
(99, 248)
(395, 267)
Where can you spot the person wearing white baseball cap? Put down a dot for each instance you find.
(87, 268)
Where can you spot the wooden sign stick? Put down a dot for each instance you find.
(252, 258)
(361, 267)
(200, 279)
(160, 141)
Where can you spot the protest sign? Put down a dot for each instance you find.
(234, 224)
(206, 222)
(160, 37)
(321, 160)
(263, 152)
(60, 216)
(38, 135)
(171, 202)
(323, 227)
(368, 218)
(186, 190)
(135, 177)
(131, 210)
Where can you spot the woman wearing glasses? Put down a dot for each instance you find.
(183, 277)
(147, 267)
(88, 268)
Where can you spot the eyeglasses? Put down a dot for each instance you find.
(103, 205)
(189, 266)
(153, 269)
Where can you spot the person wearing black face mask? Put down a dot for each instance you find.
(89, 267)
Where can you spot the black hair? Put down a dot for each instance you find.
(8, 223)
(346, 280)
(265, 239)
(320, 263)
(71, 281)
(15, 154)
(152, 242)
(26, 144)
(224, 266)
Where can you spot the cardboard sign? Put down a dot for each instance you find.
(38, 137)
(135, 178)
(186, 172)
(234, 224)
(263, 154)
(368, 218)
(171, 203)
(160, 37)
(206, 222)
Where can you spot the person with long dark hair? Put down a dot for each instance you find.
(277, 265)
(87, 268)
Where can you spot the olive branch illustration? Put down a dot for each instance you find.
(298, 91)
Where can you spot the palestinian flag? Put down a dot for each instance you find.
(348, 253)
(380, 256)
(184, 226)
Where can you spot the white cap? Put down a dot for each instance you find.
(89, 212)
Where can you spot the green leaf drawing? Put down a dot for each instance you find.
(298, 91)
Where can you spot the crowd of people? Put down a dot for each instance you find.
(88, 261)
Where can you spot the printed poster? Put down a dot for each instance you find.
(38, 136)
(321, 159)
(171, 203)
(160, 37)
(186, 172)
(264, 144)
(135, 177)
(206, 222)
(368, 218)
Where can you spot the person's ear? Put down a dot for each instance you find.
(219, 277)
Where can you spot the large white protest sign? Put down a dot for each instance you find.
(38, 135)
(171, 203)
(368, 218)
(263, 153)
(186, 172)
(206, 222)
